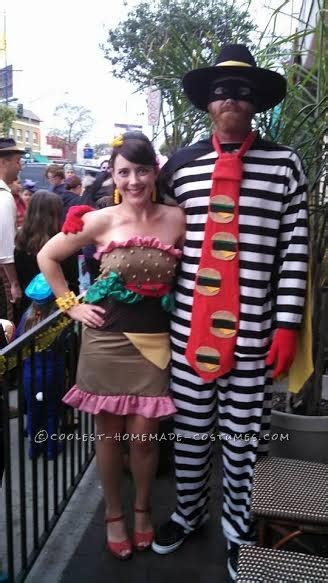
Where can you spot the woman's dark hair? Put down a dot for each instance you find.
(136, 148)
(41, 222)
(72, 182)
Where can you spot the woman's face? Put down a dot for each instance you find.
(16, 188)
(26, 196)
(136, 182)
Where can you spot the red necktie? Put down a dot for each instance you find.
(215, 312)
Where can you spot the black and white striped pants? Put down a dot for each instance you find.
(235, 409)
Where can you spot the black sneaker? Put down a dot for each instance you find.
(169, 537)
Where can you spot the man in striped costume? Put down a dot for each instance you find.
(239, 295)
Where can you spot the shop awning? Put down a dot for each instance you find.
(39, 158)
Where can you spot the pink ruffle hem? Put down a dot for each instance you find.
(149, 407)
(137, 241)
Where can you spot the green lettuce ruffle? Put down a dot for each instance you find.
(111, 287)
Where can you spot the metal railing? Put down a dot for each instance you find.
(46, 446)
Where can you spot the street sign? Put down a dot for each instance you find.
(128, 127)
(154, 105)
(6, 82)
(88, 153)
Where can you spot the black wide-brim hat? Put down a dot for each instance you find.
(9, 146)
(235, 61)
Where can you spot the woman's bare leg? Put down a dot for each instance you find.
(143, 464)
(109, 457)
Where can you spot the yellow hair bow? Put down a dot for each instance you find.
(117, 141)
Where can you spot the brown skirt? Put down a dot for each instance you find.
(110, 364)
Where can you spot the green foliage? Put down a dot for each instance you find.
(301, 122)
(160, 41)
(7, 116)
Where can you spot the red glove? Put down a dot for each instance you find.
(282, 351)
(73, 222)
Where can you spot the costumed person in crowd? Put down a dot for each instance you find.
(7, 334)
(44, 373)
(10, 166)
(240, 291)
(28, 188)
(42, 221)
(123, 370)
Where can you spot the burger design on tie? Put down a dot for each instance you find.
(223, 324)
(207, 359)
(224, 246)
(208, 281)
(222, 209)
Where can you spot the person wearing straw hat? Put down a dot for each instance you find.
(240, 291)
(10, 165)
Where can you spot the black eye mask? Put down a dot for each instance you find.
(232, 89)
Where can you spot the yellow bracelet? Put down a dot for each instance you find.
(67, 301)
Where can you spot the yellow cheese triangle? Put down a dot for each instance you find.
(224, 215)
(211, 366)
(154, 347)
(226, 331)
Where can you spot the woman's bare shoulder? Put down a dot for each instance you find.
(98, 217)
(173, 211)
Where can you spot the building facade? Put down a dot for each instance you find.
(26, 131)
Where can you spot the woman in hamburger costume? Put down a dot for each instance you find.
(123, 371)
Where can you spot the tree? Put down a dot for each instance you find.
(75, 121)
(160, 41)
(102, 149)
(7, 116)
(300, 122)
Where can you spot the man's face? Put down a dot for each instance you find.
(104, 166)
(54, 180)
(10, 167)
(50, 178)
(232, 104)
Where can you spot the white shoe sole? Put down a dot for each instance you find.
(161, 550)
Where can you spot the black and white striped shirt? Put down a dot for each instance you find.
(273, 245)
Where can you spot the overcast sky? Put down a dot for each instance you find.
(56, 46)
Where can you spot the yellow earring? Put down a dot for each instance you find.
(154, 195)
(116, 196)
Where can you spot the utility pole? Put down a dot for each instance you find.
(4, 49)
(7, 70)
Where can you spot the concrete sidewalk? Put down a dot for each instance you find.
(76, 549)
(202, 559)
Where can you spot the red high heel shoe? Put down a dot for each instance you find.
(142, 540)
(120, 550)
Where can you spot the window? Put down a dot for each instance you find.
(11, 133)
(35, 138)
(27, 136)
(19, 135)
